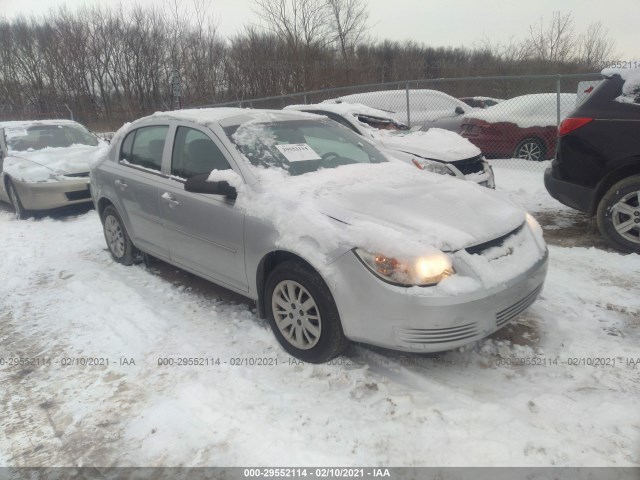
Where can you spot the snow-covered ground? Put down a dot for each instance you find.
(569, 396)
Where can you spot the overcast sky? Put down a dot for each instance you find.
(434, 22)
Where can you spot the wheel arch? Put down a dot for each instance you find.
(103, 203)
(266, 265)
(611, 178)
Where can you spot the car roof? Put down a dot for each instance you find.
(30, 123)
(226, 116)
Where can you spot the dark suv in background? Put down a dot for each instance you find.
(597, 164)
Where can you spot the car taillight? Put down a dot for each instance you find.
(568, 125)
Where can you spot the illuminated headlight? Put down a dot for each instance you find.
(536, 229)
(422, 271)
(432, 166)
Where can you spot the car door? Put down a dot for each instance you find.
(205, 232)
(137, 178)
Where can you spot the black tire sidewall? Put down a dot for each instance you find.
(129, 255)
(332, 340)
(604, 216)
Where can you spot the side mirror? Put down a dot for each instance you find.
(199, 184)
(459, 110)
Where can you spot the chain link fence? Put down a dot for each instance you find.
(511, 119)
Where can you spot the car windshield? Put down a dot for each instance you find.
(301, 146)
(37, 137)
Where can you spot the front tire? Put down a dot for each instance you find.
(619, 215)
(120, 245)
(21, 212)
(302, 313)
(530, 149)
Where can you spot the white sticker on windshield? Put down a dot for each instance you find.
(15, 132)
(298, 152)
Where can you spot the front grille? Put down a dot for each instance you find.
(78, 195)
(496, 242)
(469, 165)
(504, 316)
(436, 335)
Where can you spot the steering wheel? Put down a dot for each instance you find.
(329, 155)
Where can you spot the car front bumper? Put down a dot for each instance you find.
(378, 313)
(48, 195)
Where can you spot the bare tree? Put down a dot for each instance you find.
(348, 21)
(554, 41)
(594, 46)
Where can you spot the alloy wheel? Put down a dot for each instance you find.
(296, 314)
(625, 216)
(114, 235)
(530, 150)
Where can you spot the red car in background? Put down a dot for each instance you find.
(522, 127)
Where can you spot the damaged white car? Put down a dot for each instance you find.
(436, 150)
(331, 239)
(45, 164)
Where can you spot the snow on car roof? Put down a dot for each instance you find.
(415, 95)
(534, 110)
(29, 123)
(225, 116)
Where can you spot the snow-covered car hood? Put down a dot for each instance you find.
(389, 207)
(39, 165)
(435, 143)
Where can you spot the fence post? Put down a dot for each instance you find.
(70, 111)
(558, 101)
(408, 106)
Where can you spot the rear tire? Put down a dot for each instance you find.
(16, 203)
(530, 149)
(302, 313)
(120, 245)
(618, 215)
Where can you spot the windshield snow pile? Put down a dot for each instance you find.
(537, 110)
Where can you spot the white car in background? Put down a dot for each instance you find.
(45, 164)
(426, 108)
(436, 150)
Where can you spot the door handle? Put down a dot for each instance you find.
(120, 184)
(170, 200)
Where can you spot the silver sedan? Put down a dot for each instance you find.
(333, 239)
(45, 164)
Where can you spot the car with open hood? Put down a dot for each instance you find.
(436, 150)
(44, 164)
(333, 239)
